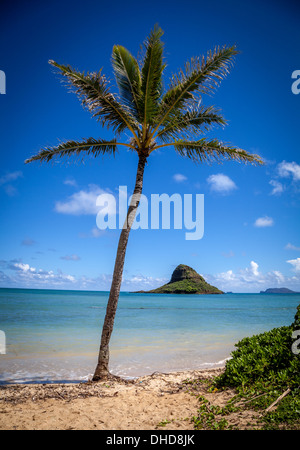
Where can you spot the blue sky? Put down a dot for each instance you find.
(251, 239)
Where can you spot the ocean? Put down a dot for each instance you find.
(54, 335)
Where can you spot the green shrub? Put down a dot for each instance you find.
(263, 357)
(264, 365)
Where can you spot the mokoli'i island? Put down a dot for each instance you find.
(185, 280)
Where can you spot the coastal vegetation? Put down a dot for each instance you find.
(148, 118)
(264, 372)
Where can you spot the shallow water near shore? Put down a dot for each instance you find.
(53, 336)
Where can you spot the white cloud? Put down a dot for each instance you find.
(179, 178)
(279, 276)
(71, 257)
(226, 276)
(25, 275)
(70, 182)
(253, 269)
(248, 279)
(248, 275)
(6, 180)
(142, 282)
(262, 222)
(286, 169)
(134, 282)
(278, 188)
(11, 176)
(290, 246)
(95, 232)
(221, 183)
(81, 203)
(24, 267)
(19, 274)
(295, 263)
(251, 279)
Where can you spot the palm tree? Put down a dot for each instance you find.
(156, 119)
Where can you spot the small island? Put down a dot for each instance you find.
(185, 280)
(278, 291)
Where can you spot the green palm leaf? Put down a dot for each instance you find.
(201, 75)
(191, 123)
(151, 71)
(214, 151)
(89, 146)
(128, 77)
(92, 89)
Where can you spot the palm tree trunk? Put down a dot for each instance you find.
(101, 370)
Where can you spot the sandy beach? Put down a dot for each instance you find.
(154, 402)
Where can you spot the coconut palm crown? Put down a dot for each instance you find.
(156, 118)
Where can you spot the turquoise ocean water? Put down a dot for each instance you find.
(53, 336)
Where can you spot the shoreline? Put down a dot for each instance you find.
(90, 387)
(23, 376)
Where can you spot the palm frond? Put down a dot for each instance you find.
(191, 123)
(152, 68)
(214, 151)
(89, 146)
(92, 90)
(128, 77)
(201, 75)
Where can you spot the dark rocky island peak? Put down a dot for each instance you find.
(185, 280)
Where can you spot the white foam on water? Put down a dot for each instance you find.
(54, 371)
